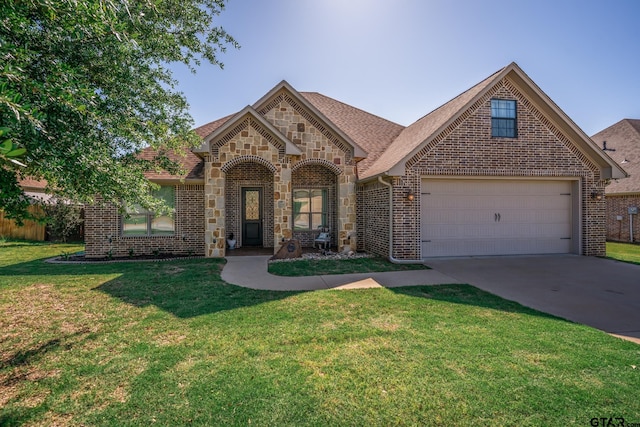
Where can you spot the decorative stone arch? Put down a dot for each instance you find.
(331, 166)
(249, 172)
(247, 159)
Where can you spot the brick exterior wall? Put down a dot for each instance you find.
(373, 218)
(619, 230)
(103, 229)
(248, 141)
(466, 148)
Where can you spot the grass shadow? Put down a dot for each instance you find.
(184, 288)
(187, 293)
(470, 295)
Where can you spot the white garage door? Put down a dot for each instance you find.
(495, 217)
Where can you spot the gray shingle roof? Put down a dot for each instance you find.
(192, 164)
(624, 138)
(369, 131)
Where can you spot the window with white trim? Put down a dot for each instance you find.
(310, 208)
(503, 118)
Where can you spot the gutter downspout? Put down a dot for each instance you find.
(391, 258)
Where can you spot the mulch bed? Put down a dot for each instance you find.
(80, 258)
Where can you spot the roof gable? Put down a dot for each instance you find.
(285, 92)
(415, 136)
(248, 117)
(418, 135)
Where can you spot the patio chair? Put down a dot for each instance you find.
(324, 238)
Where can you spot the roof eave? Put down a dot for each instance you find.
(177, 181)
(374, 177)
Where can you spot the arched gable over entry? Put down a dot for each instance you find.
(249, 201)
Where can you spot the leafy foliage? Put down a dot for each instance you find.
(12, 198)
(63, 219)
(85, 85)
(9, 151)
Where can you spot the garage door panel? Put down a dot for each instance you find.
(489, 202)
(537, 216)
(455, 247)
(494, 217)
(531, 231)
(457, 216)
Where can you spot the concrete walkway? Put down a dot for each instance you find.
(251, 272)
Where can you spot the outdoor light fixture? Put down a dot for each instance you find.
(596, 196)
(410, 196)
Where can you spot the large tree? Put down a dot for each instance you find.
(86, 84)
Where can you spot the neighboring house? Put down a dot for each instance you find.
(499, 169)
(35, 189)
(621, 141)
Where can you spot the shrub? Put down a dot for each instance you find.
(63, 219)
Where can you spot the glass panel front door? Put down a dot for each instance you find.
(252, 216)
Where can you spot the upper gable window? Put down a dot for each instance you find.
(503, 118)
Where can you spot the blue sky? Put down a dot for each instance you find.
(400, 59)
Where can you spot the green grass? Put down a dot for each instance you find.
(314, 267)
(170, 343)
(626, 252)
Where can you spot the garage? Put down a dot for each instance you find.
(475, 217)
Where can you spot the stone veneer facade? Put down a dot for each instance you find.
(325, 161)
(466, 148)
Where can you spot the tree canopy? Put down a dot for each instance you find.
(86, 84)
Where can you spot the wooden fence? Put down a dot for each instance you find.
(30, 230)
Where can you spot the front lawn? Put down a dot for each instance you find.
(170, 343)
(626, 252)
(315, 267)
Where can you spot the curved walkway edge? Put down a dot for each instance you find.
(251, 272)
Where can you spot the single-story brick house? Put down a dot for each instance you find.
(621, 141)
(499, 169)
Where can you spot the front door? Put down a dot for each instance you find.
(252, 217)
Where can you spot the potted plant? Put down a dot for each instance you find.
(231, 241)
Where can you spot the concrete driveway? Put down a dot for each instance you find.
(597, 292)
